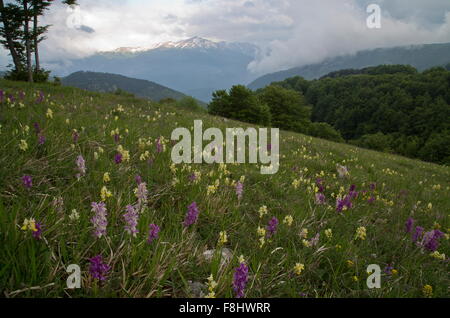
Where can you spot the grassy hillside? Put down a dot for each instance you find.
(38, 179)
(109, 83)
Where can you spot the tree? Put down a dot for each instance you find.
(240, 104)
(11, 33)
(19, 39)
(287, 107)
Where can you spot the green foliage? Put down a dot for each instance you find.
(325, 131)
(39, 76)
(190, 103)
(240, 104)
(288, 108)
(388, 107)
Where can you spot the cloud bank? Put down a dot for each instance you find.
(290, 32)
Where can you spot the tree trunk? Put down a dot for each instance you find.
(12, 49)
(36, 40)
(26, 30)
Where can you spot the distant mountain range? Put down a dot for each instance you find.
(418, 56)
(105, 82)
(195, 66)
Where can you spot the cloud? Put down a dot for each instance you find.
(290, 32)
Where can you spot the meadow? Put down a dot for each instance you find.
(87, 179)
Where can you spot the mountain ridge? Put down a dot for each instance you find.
(420, 56)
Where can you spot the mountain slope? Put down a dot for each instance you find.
(420, 56)
(105, 82)
(53, 178)
(194, 66)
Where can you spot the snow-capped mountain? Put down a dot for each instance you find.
(194, 66)
(192, 43)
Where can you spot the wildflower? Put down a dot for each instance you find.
(306, 243)
(118, 158)
(409, 225)
(360, 233)
(74, 215)
(23, 145)
(131, 218)
(298, 268)
(41, 139)
(430, 206)
(105, 193)
(355, 278)
(343, 204)
(239, 189)
(431, 240)
(342, 171)
(212, 284)
(240, 280)
(97, 268)
(29, 224)
(438, 255)
(211, 189)
(320, 198)
(350, 263)
(106, 177)
(38, 231)
(223, 238)
(138, 179)
(159, 145)
(417, 234)
(262, 211)
(272, 227)
(304, 233)
(27, 181)
(427, 291)
(141, 194)
(329, 233)
(49, 113)
(81, 165)
(153, 233)
(75, 136)
(288, 219)
(191, 215)
(99, 220)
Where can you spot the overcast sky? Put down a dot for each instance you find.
(290, 32)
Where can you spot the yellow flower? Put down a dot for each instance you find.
(49, 113)
(261, 231)
(360, 233)
(105, 193)
(298, 268)
(394, 272)
(288, 220)
(438, 255)
(350, 263)
(304, 233)
(211, 189)
(29, 224)
(427, 291)
(241, 259)
(223, 238)
(329, 233)
(106, 177)
(23, 145)
(355, 278)
(430, 206)
(306, 243)
(262, 211)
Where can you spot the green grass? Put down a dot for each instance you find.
(37, 268)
